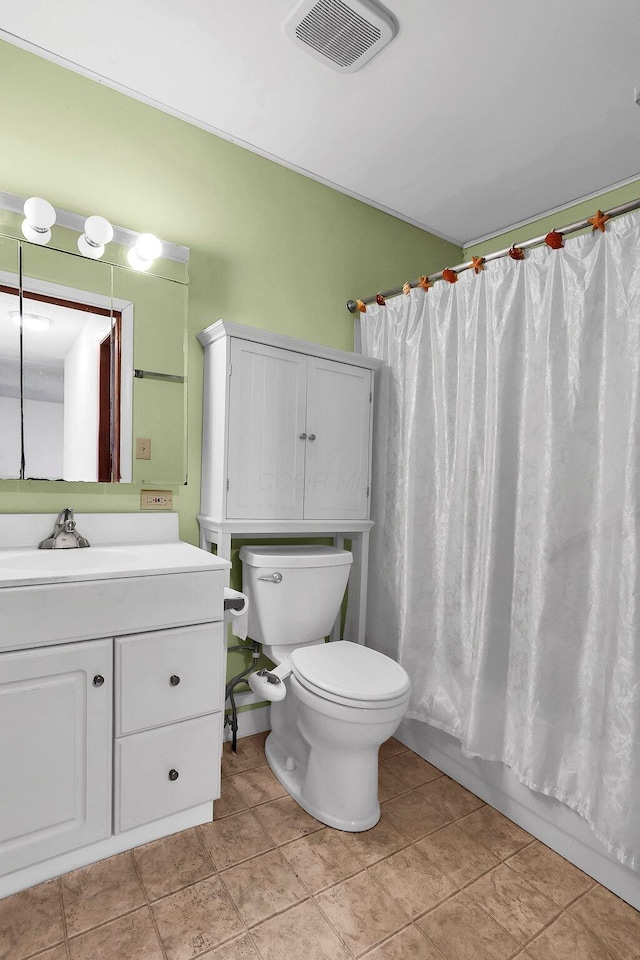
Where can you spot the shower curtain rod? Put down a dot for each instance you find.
(352, 305)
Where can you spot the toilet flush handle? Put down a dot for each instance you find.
(274, 578)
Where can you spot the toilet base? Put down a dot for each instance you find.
(293, 782)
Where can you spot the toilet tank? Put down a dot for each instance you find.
(294, 592)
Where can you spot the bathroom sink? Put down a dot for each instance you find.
(136, 576)
(24, 566)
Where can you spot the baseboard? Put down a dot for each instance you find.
(555, 824)
(250, 722)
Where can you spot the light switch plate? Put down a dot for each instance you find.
(143, 448)
(156, 500)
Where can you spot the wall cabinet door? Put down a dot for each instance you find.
(55, 751)
(265, 454)
(338, 437)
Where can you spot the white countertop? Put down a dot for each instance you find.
(122, 546)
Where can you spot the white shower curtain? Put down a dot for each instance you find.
(505, 557)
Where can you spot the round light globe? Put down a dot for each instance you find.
(87, 250)
(39, 212)
(30, 233)
(148, 247)
(99, 230)
(137, 262)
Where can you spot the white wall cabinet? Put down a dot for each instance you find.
(55, 751)
(287, 428)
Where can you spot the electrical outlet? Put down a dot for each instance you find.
(143, 448)
(156, 500)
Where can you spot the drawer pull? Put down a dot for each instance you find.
(173, 774)
(174, 680)
(98, 680)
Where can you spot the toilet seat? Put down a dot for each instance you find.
(351, 674)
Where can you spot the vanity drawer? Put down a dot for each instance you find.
(168, 675)
(145, 765)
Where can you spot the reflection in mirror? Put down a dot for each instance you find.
(10, 415)
(72, 337)
(159, 346)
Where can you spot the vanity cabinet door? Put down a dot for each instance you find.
(338, 441)
(265, 472)
(55, 751)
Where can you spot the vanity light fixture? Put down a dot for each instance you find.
(39, 218)
(31, 321)
(97, 233)
(146, 249)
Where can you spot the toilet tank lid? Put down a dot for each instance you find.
(304, 555)
(351, 670)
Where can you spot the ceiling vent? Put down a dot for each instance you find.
(342, 35)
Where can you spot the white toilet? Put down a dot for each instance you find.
(340, 702)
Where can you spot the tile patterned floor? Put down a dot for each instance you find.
(443, 876)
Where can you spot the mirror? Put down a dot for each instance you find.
(72, 409)
(10, 407)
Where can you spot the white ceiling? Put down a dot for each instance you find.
(477, 115)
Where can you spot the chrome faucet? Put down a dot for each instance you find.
(64, 535)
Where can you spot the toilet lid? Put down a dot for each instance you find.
(351, 671)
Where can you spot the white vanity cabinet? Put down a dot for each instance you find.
(110, 733)
(55, 750)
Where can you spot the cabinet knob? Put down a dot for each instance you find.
(173, 774)
(174, 680)
(303, 436)
(98, 680)
(312, 436)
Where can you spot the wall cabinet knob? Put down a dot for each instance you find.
(98, 680)
(312, 436)
(303, 436)
(174, 680)
(173, 774)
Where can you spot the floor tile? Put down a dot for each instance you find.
(497, 833)
(550, 873)
(100, 892)
(410, 770)
(388, 784)
(258, 785)
(372, 845)
(612, 919)
(263, 886)
(132, 937)
(240, 949)
(450, 797)
(414, 882)
(321, 859)
(172, 862)
(462, 931)
(250, 754)
(30, 921)
(568, 939)
(229, 802)
(409, 944)
(413, 814)
(361, 911)
(390, 748)
(55, 953)
(511, 900)
(457, 854)
(284, 820)
(234, 839)
(301, 933)
(196, 919)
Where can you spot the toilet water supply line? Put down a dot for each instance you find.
(232, 720)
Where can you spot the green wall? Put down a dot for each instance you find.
(580, 211)
(269, 247)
